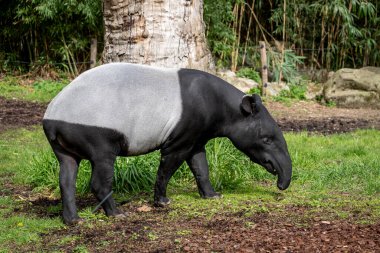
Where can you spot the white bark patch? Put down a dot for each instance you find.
(167, 33)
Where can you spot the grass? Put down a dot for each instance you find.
(16, 150)
(340, 163)
(336, 176)
(38, 91)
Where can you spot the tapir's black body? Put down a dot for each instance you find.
(210, 108)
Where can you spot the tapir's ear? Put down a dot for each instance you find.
(257, 99)
(249, 104)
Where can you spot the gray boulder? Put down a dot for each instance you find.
(243, 84)
(354, 88)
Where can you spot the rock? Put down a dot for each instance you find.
(274, 88)
(314, 90)
(243, 84)
(354, 88)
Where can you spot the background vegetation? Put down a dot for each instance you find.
(40, 34)
(329, 34)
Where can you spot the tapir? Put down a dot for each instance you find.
(122, 109)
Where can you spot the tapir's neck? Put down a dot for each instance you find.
(229, 113)
(210, 104)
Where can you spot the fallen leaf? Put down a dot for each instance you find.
(144, 208)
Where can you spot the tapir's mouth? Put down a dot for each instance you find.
(268, 165)
(283, 173)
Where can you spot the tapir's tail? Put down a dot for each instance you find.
(50, 130)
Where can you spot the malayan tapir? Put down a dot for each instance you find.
(123, 109)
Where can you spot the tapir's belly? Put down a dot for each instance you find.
(143, 103)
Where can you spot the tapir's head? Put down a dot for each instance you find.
(260, 138)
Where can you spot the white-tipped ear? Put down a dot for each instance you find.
(246, 104)
(256, 99)
(249, 104)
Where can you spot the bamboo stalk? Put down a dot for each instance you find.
(248, 30)
(283, 42)
(234, 26)
(264, 68)
(238, 38)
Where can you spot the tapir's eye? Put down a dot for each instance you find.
(267, 140)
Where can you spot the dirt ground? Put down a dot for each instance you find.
(300, 116)
(17, 113)
(155, 231)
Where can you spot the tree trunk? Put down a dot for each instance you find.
(166, 33)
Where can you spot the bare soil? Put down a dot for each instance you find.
(313, 117)
(18, 113)
(157, 231)
(299, 116)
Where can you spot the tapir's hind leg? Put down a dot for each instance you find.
(199, 166)
(101, 183)
(67, 177)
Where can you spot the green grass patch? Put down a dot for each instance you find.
(24, 229)
(17, 147)
(342, 163)
(40, 90)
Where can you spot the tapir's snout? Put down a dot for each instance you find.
(284, 174)
(283, 185)
(281, 167)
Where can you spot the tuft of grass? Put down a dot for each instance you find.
(39, 91)
(228, 170)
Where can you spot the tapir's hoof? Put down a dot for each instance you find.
(73, 222)
(214, 195)
(162, 202)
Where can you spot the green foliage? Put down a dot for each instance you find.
(249, 73)
(329, 34)
(285, 64)
(218, 15)
(33, 33)
(295, 92)
(254, 90)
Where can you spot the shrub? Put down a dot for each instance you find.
(249, 73)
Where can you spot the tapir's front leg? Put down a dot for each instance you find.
(199, 166)
(168, 165)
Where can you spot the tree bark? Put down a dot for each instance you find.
(165, 33)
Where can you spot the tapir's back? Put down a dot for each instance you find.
(141, 102)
